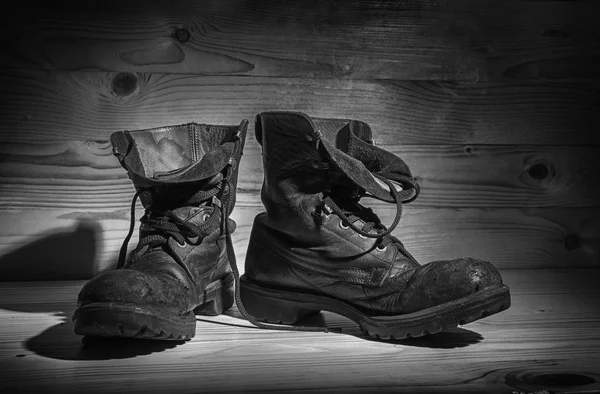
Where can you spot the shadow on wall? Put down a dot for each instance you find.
(61, 255)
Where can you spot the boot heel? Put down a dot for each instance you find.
(272, 310)
(218, 297)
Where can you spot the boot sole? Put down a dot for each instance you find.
(282, 306)
(128, 320)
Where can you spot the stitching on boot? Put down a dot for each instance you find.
(193, 141)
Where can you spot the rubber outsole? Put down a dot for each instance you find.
(283, 306)
(127, 320)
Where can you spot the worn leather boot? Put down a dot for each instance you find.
(317, 248)
(186, 179)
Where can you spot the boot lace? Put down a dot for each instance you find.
(164, 224)
(350, 214)
(353, 212)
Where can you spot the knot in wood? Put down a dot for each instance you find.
(534, 381)
(123, 84)
(562, 380)
(182, 35)
(572, 242)
(538, 171)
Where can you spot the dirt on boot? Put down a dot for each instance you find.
(317, 248)
(185, 177)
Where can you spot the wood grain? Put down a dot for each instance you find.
(47, 106)
(69, 243)
(551, 328)
(465, 40)
(71, 200)
(493, 105)
(86, 175)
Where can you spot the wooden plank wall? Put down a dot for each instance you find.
(494, 105)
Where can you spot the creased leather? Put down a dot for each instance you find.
(177, 161)
(291, 250)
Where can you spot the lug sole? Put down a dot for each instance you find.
(285, 306)
(128, 320)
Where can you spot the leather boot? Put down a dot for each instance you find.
(186, 178)
(317, 248)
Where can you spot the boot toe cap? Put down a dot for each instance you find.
(443, 281)
(131, 286)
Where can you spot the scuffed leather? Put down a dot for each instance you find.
(442, 281)
(290, 249)
(157, 280)
(156, 289)
(178, 161)
(384, 283)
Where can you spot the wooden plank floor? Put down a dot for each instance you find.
(546, 342)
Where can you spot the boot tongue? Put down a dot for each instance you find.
(198, 213)
(194, 215)
(366, 164)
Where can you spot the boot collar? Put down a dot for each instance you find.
(347, 145)
(180, 156)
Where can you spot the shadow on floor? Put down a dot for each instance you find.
(66, 255)
(450, 339)
(59, 342)
(71, 255)
(339, 325)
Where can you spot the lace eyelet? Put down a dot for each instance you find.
(362, 236)
(343, 226)
(205, 217)
(183, 245)
(380, 249)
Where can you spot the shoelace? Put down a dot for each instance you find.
(166, 224)
(383, 233)
(372, 222)
(236, 275)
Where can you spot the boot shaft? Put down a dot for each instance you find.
(317, 248)
(305, 159)
(174, 162)
(186, 178)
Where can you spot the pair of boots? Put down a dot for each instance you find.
(315, 248)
